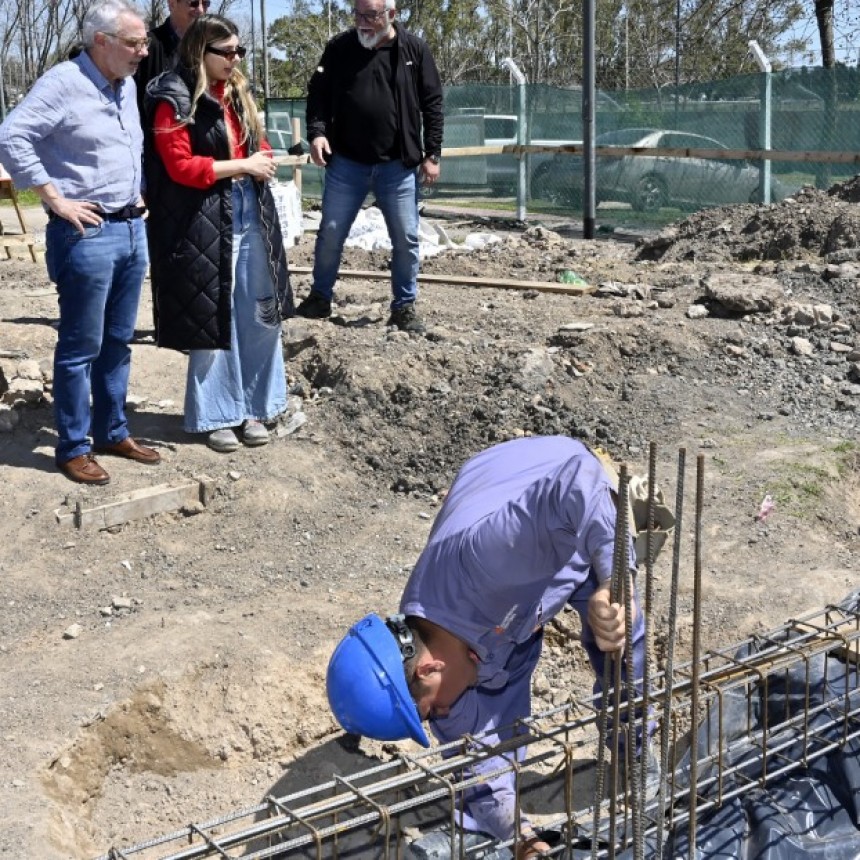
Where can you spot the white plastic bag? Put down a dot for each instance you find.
(288, 203)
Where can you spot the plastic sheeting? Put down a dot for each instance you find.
(810, 812)
(807, 812)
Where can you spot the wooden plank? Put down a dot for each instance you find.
(17, 239)
(291, 160)
(850, 654)
(820, 156)
(137, 505)
(20, 247)
(464, 281)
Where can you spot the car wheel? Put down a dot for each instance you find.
(549, 184)
(651, 194)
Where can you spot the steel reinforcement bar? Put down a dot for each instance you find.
(776, 701)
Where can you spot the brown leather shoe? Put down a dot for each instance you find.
(84, 469)
(131, 450)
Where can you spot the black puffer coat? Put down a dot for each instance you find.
(190, 230)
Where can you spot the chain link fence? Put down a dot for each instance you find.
(660, 152)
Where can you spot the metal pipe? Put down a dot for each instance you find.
(522, 133)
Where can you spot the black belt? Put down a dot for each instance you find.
(127, 213)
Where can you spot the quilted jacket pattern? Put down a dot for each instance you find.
(190, 230)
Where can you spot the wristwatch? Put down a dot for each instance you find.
(435, 159)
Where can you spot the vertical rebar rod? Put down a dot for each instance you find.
(611, 670)
(697, 645)
(621, 589)
(670, 650)
(639, 849)
(633, 735)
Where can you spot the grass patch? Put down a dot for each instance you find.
(801, 487)
(27, 197)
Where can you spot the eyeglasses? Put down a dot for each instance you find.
(196, 4)
(134, 44)
(369, 17)
(228, 53)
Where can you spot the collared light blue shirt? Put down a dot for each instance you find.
(78, 131)
(522, 528)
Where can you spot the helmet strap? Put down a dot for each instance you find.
(402, 635)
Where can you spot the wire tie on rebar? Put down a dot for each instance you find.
(315, 833)
(384, 815)
(208, 840)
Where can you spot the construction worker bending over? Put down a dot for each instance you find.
(528, 527)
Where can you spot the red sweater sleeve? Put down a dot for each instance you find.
(173, 145)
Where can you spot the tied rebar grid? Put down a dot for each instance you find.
(779, 700)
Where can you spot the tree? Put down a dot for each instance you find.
(300, 39)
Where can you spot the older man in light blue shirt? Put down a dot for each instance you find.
(76, 140)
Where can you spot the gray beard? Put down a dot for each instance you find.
(370, 42)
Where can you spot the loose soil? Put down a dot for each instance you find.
(195, 684)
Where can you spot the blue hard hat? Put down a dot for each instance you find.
(366, 685)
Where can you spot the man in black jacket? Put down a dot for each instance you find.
(164, 39)
(374, 119)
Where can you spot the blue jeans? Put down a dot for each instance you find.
(248, 381)
(98, 276)
(395, 187)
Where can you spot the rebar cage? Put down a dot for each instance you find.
(772, 708)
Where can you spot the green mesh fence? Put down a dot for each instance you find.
(803, 112)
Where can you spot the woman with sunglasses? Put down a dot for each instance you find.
(219, 270)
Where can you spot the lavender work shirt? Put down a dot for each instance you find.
(524, 525)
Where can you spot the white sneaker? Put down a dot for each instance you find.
(223, 441)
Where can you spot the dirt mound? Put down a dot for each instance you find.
(811, 224)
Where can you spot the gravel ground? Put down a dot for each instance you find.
(172, 668)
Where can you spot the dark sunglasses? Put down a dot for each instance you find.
(228, 53)
(196, 4)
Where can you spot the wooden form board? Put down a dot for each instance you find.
(464, 280)
(822, 156)
(137, 505)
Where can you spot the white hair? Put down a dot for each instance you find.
(103, 18)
